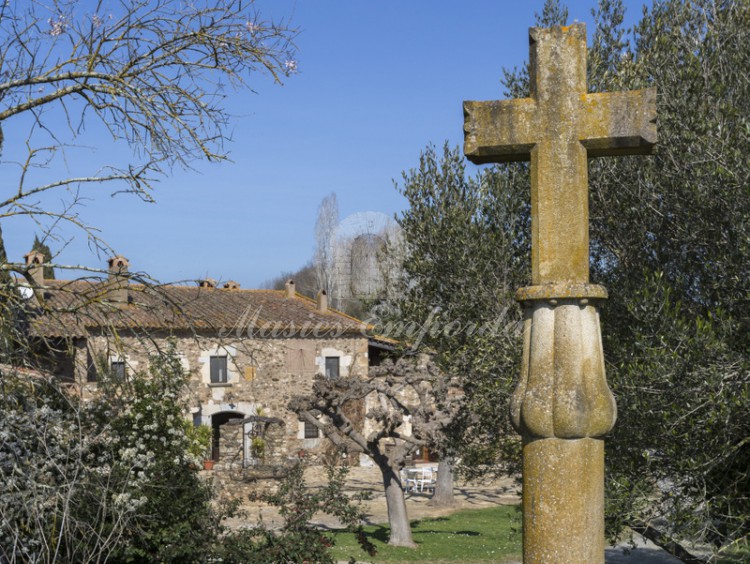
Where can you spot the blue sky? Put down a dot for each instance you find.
(377, 82)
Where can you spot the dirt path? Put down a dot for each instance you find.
(368, 479)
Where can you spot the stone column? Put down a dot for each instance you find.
(563, 407)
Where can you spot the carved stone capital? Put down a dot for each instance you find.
(563, 390)
(564, 290)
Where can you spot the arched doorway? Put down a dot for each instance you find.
(217, 420)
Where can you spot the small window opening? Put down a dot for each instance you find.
(332, 367)
(117, 367)
(218, 369)
(311, 431)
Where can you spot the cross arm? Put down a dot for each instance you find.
(619, 123)
(499, 131)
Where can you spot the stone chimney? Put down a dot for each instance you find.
(322, 302)
(207, 283)
(290, 291)
(232, 285)
(34, 261)
(118, 279)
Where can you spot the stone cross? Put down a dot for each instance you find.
(562, 405)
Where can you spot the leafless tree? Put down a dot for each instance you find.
(410, 391)
(151, 75)
(325, 234)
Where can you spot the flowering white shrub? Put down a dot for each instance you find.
(109, 479)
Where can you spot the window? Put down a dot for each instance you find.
(332, 367)
(91, 372)
(311, 431)
(117, 368)
(218, 369)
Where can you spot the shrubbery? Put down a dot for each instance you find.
(107, 479)
(116, 479)
(297, 540)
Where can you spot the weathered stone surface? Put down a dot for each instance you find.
(563, 501)
(277, 374)
(553, 292)
(562, 392)
(562, 405)
(556, 128)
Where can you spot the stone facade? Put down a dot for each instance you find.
(247, 352)
(262, 376)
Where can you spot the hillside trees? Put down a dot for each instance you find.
(670, 239)
(305, 280)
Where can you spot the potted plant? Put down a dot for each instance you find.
(258, 447)
(199, 446)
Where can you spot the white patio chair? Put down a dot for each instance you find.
(427, 479)
(409, 480)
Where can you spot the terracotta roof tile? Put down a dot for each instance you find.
(72, 308)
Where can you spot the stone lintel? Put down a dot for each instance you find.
(564, 291)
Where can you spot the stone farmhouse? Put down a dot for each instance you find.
(247, 352)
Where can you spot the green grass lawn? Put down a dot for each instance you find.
(475, 535)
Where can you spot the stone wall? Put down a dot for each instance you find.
(263, 375)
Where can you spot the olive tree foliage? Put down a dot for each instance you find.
(465, 249)
(409, 403)
(670, 239)
(463, 256)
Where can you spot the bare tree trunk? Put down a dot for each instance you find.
(444, 487)
(397, 517)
